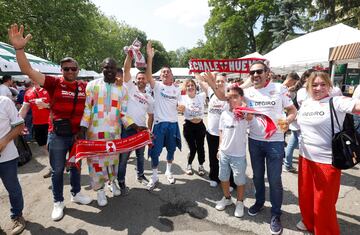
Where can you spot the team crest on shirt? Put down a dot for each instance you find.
(80, 89)
(110, 147)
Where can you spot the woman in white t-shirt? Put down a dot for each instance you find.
(319, 181)
(194, 131)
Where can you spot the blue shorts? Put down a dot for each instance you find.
(236, 164)
(167, 134)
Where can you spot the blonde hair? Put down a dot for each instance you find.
(323, 75)
(187, 81)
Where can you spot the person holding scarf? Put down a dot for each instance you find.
(104, 115)
(166, 130)
(66, 110)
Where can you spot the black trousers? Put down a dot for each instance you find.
(213, 146)
(195, 137)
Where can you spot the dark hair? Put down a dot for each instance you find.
(108, 60)
(266, 68)
(166, 66)
(119, 70)
(293, 75)
(68, 59)
(141, 72)
(299, 84)
(237, 89)
(6, 78)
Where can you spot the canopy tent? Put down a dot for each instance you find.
(178, 73)
(311, 49)
(8, 64)
(88, 73)
(255, 54)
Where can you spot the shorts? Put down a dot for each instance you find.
(236, 164)
(41, 133)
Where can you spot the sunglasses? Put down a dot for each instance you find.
(67, 69)
(258, 71)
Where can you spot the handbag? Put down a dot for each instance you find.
(23, 149)
(62, 127)
(345, 144)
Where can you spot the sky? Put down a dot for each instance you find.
(175, 23)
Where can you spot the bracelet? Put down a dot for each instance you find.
(17, 49)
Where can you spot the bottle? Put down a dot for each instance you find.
(351, 88)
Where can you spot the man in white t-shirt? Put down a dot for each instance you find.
(11, 125)
(270, 99)
(4, 87)
(140, 105)
(166, 130)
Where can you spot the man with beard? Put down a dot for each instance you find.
(67, 97)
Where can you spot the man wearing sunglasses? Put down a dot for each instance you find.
(67, 105)
(270, 99)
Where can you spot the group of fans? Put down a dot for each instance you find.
(115, 107)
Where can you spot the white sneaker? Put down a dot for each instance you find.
(58, 211)
(239, 210)
(170, 177)
(82, 199)
(101, 197)
(224, 202)
(115, 190)
(189, 170)
(301, 226)
(201, 170)
(152, 184)
(213, 184)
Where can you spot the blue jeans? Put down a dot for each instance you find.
(8, 175)
(58, 148)
(289, 151)
(272, 153)
(123, 158)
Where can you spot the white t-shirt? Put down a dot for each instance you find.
(139, 104)
(9, 117)
(166, 99)
(215, 108)
(194, 107)
(5, 91)
(233, 141)
(315, 126)
(270, 100)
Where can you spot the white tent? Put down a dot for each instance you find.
(178, 73)
(254, 55)
(9, 65)
(311, 49)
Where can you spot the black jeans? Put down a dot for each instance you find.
(195, 137)
(213, 146)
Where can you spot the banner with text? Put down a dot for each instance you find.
(227, 66)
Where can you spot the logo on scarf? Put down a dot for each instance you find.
(110, 147)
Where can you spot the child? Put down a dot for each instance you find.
(232, 151)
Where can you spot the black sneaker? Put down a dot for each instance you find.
(124, 190)
(275, 225)
(142, 179)
(255, 209)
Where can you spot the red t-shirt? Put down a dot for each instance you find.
(39, 116)
(62, 95)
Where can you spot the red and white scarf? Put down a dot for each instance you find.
(228, 65)
(90, 148)
(265, 120)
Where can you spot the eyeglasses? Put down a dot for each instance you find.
(67, 69)
(258, 71)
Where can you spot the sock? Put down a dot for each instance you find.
(154, 174)
(168, 167)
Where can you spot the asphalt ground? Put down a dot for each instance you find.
(187, 207)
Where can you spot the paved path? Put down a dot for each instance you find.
(184, 208)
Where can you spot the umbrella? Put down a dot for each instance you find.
(9, 65)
